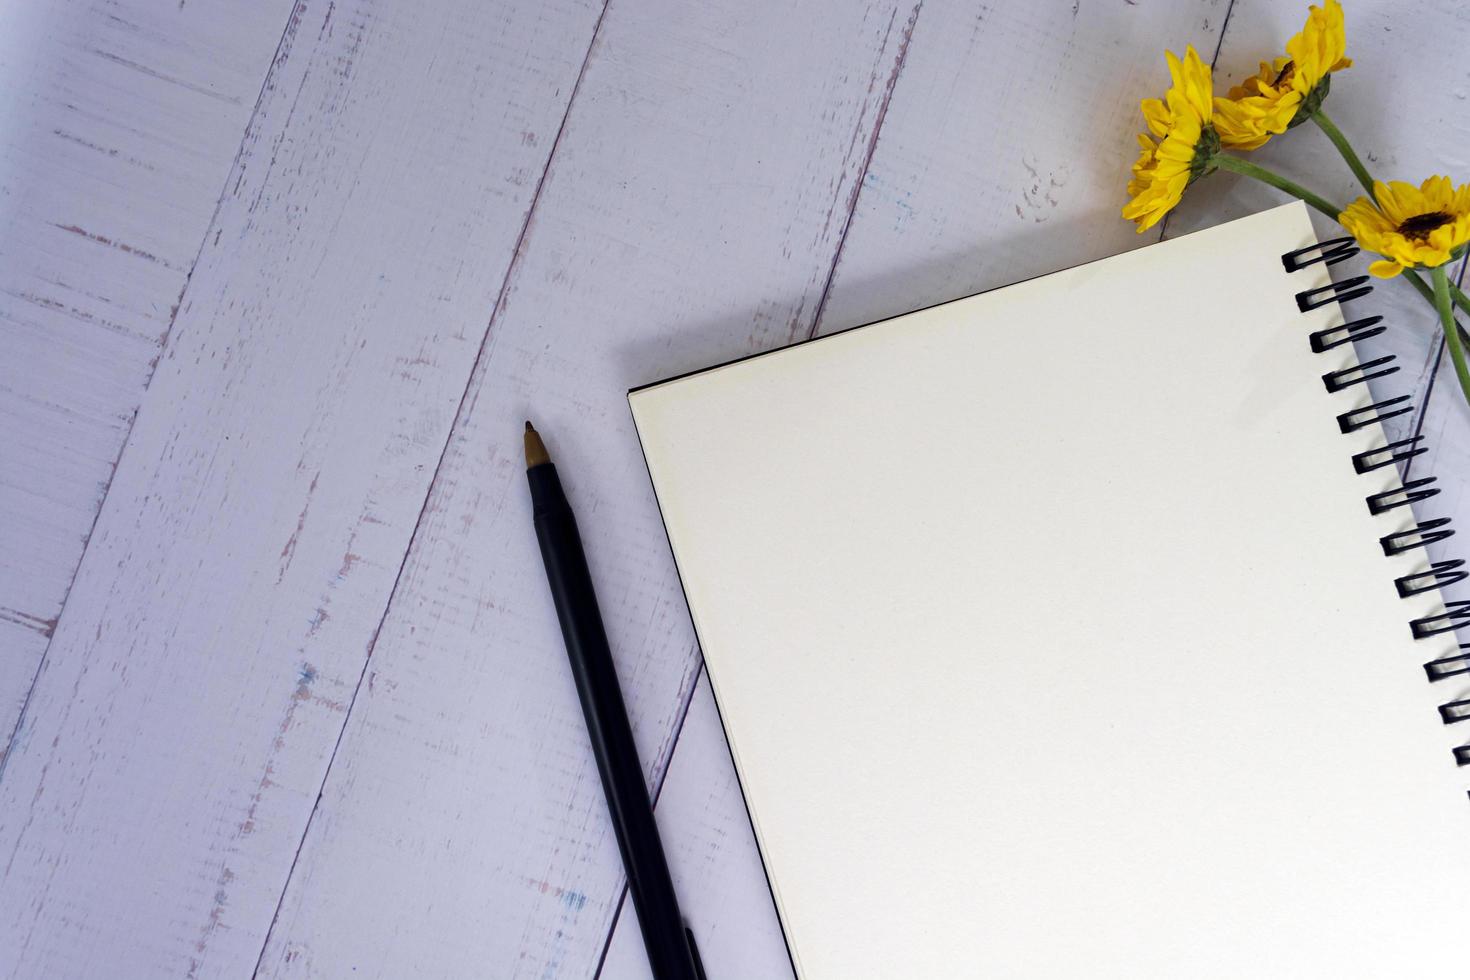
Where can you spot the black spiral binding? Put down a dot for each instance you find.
(1410, 493)
(1358, 417)
(1440, 575)
(1359, 373)
(1325, 340)
(1423, 533)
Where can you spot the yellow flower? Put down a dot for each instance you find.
(1143, 169)
(1179, 145)
(1270, 101)
(1410, 226)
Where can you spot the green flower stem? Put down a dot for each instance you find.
(1247, 169)
(1345, 148)
(1452, 336)
(1461, 300)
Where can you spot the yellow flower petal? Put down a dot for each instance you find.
(1265, 104)
(1156, 115)
(1319, 47)
(1411, 227)
(1178, 126)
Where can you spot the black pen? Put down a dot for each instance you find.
(670, 944)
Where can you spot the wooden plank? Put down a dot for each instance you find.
(179, 732)
(919, 236)
(120, 123)
(691, 213)
(1008, 149)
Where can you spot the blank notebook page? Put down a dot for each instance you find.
(1053, 638)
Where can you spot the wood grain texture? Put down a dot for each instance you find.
(120, 124)
(1001, 161)
(477, 201)
(691, 213)
(180, 729)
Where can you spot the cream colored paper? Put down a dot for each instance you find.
(1053, 638)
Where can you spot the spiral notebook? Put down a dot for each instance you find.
(1084, 628)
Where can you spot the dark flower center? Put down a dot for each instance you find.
(1420, 225)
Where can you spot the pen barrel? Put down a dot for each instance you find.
(649, 882)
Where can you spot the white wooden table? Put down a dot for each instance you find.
(281, 280)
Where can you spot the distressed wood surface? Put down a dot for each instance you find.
(691, 213)
(119, 123)
(182, 723)
(306, 712)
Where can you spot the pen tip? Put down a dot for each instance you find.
(536, 453)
